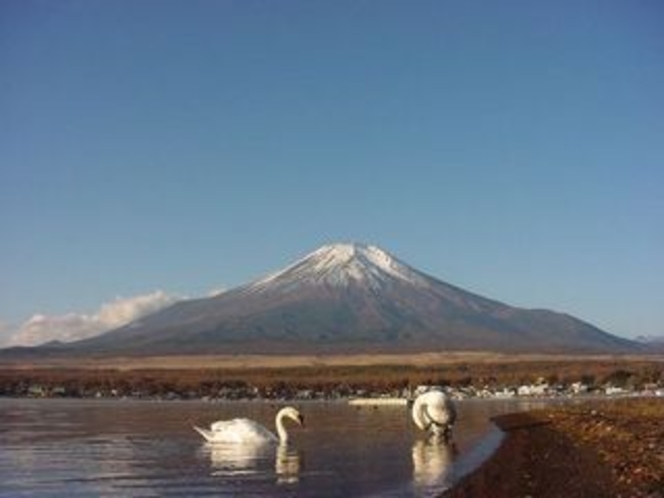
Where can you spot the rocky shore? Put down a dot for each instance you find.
(609, 448)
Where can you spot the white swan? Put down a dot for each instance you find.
(245, 431)
(434, 411)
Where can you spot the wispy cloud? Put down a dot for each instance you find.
(74, 326)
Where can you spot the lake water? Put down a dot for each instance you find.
(148, 448)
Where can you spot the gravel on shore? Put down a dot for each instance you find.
(611, 448)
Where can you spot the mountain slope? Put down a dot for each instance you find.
(349, 298)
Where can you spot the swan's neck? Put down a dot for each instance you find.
(281, 430)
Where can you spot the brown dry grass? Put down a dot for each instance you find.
(247, 361)
(206, 375)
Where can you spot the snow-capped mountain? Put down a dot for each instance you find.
(349, 298)
(343, 265)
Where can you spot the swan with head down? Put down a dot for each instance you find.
(246, 431)
(434, 412)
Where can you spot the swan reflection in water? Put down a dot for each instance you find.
(247, 459)
(288, 464)
(432, 460)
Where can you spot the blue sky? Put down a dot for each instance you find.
(170, 148)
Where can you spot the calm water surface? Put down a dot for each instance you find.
(146, 448)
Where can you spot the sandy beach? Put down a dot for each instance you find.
(600, 448)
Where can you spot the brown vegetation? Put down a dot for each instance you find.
(282, 376)
(253, 361)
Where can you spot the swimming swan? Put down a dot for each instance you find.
(245, 431)
(434, 411)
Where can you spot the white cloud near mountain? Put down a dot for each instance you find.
(75, 326)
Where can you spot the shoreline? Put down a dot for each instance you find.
(598, 448)
(319, 377)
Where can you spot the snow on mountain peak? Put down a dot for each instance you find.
(342, 264)
(353, 256)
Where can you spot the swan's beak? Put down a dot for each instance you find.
(300, 420)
